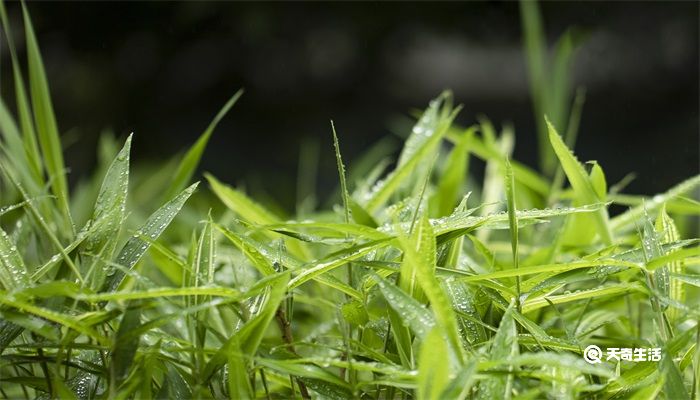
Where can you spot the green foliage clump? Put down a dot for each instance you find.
(421, 282)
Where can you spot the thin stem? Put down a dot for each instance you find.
(286, 327)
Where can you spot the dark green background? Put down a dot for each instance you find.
(162, 70)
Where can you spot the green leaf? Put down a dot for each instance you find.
(598, 182)
(238, 380)
(62, 390)
(461, 385)
(355, 313)
(412, 313)
(535, 46)
(249, 336)
(672, 256)
(651, 392)
(561, 77)
(463, 303)
(626, 220)
(581, 183)
(434, 366)
(136, 247)
(673, 382)
(335, 260)
(341, 174)
(512, 221)
(8, 332)
(204, 257)
(41, 224)
(259, 261)
(251, 211)
(459, 223)
(301, 369)
(420, 255)
(690, 279)
(124, 349)
(504, 347)
(360, 215)
(34, 162)
(160, 293)
(29, 322)
(110, 212)
(45, 120)
(668, 233)
(13, 272)
(65, 320)
(327, 390)
(608, 290)
(455, 173)
(314, 231)
(174, 386)
(427, 135)
(241, 204)
(188, 164)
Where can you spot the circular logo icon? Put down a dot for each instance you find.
(592, 354)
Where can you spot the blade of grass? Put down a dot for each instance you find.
(420, 254)
(410, 160)
(110, 206)
(581, 183)
(31, 147)
(123, 351)
(341, 174)
(625, 221)
(185, 170)
(610, 290)
(13, 272)
(343, 191)
(251, 211)
(136, 247)
(65, 320)
(504, 347)
(513, 223)
(535, 47)
(45, 120)
(668, 233)
(249, 336)
(434, 366)
(412, 312)
(335, 260)
(456, 171)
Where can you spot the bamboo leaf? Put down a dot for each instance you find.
(422, 260)
(136, 247)
(110, 212)
(426, 135)
(341, 174)
(249, 336)
(188, 164)
(626, 220)
(335, 260)
(13, 272)
(434, 371)
(512, 222)
(124, 349)
(413, 314)
(45, 120)
(504, 347)
(581, 183)
(456, 170)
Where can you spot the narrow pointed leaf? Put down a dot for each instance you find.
(46, 126)
(136, 247)
(187, 166)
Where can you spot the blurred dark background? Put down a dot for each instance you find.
(163, 70)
